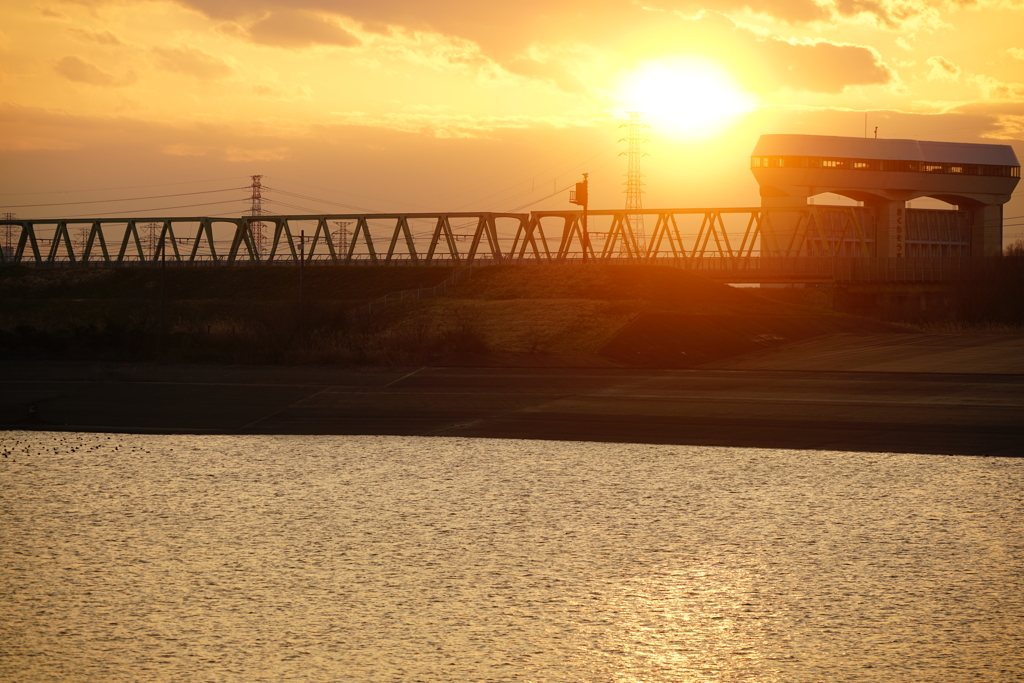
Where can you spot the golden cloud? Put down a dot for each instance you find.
(29, 144)
(994, 89)
(191, 61)
(290, 29)
(442, 124)
(943, 69)
(101, 37)
(185, 150)
(247, 154)
(77, 69)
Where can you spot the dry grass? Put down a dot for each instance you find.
(511, 309)
(578, 326)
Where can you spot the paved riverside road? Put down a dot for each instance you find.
(967, 414)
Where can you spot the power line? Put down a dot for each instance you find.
(557, 192)
(322, 201)
(127, 199)
(539, 173)
(570, 170)
(330, 189)
(133, 187)
(309, 211)
(567, 187)
(165, 208)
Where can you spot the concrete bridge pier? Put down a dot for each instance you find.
(986, 228)
(890, 227)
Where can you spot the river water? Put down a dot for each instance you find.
(295, 558)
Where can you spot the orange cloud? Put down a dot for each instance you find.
(512, 35)
(32, 144)
(51, 13)
(249, 154)
(446, 124)
(506, 29)
(942, 69)
(822, 66)
(995, 89)
(183, 150)
(77, 69)
(101, 37)
(765, 64)
(192, 61)
(296, 30)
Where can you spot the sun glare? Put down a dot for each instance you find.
(686, 98)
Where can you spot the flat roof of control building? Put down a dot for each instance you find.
(780, 145)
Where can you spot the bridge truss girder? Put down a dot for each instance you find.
(809, 231)
(810, 236)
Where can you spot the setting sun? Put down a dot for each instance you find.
(687, 98)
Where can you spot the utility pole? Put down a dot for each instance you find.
(634, 178)
(581, 196)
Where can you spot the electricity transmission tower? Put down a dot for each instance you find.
(81, 237)
(8, 234)
(256, 209)
(342, 235)
(634, 178)
(152, 237)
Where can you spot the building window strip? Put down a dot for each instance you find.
(888, 165)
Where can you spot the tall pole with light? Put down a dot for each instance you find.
(162, 250)
(302, 293)
(580, 196)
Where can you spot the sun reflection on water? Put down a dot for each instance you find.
(387, 558)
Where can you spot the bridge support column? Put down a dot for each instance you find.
(986, 229)
(890, 228)
(782, 224)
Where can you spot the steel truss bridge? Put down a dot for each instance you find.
(817, 244)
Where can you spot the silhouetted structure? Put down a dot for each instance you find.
(884, 175)
(634, 178)
(256, 209)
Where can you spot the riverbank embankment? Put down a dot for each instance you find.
(600, 315)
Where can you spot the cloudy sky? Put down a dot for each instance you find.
(459, 105)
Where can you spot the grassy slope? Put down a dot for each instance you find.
(236, 283)
(581, 309)
(250, 314)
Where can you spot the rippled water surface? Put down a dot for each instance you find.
(255, 558)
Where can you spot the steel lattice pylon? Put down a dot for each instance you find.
(8, 232)
(257, 210)
(634, 178)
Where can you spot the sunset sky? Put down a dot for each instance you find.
(452, 105)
